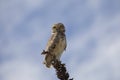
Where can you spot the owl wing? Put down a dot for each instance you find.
(50, 49)
(52, 43)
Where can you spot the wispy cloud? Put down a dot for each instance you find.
(92, 35)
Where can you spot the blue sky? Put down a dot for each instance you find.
(93, 38)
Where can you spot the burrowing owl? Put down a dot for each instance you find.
(56, 44)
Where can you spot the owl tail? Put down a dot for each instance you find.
(48, 60)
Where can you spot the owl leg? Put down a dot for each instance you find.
(58, 57)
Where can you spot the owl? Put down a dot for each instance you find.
(56, 44)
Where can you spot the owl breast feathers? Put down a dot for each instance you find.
(56, 44)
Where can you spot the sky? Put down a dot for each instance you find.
(92, 31)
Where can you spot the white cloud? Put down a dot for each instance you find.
(104, 62)
(21, 70)
(93, 42)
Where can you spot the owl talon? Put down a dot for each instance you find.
(44, 52)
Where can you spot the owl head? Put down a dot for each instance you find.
(59, 27)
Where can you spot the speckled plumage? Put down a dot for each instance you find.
(56, 44)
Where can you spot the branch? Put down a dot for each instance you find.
(61, 71)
